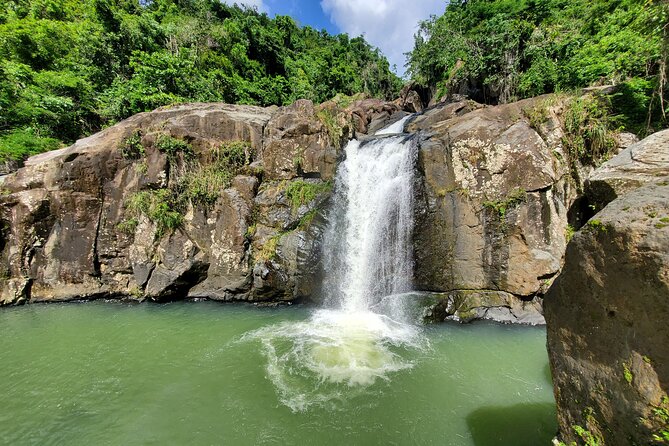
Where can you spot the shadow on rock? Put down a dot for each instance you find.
(518, 425)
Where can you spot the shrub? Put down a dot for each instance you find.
(160, 206)
(301, 192)
(132, 148)
(19, 144)
(172, 147)
(588, 138)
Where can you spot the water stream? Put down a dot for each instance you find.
(353, 341)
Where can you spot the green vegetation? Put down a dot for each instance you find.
(569, 232)
(627, 373)
(334, 129)
(268, 250)
(588, 438)
(161, 206)
(18, 144)
(132, 148)
(202, 183)
(589, 137)
(301, 192)
(503, 50)
(661, 416)
(192, 182)
(173, 147)
(512, 200)
(70, 67)
(597, 225)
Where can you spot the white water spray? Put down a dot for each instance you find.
(368, 263)
(368, 250)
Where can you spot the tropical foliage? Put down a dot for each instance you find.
(70, 67)
(504, 50)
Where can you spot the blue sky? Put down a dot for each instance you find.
(387, 24)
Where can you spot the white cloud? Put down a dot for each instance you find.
(387, 24)
(259, 4)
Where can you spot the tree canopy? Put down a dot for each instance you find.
(69, 67)
(504, 50)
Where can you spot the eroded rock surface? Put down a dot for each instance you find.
(68, 232)
(607, 320)
(490, 225)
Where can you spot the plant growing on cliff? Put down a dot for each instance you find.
(131, 147)
(268, 251)
(301, 192)
(174, 147)
(501, 207)
(588, 438)
(160, 206)
(589, 138)
(333, 128)
(202, 183)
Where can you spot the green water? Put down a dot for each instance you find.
(183, 373)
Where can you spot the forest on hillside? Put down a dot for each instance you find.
(70, 67)
(498, 51)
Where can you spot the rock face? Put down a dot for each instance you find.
(640, 163)
(607, 312)
(492, 214)
(68, 231)
(107, 217)
(607, 323)
(104, 218)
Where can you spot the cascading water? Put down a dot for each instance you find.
(368, 240)
(359, 335)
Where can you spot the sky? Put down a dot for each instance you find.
(386, 24)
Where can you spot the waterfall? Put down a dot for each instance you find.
(361, 334)
(368, 249)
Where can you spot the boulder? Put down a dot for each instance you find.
(607, 316)
(640, 163)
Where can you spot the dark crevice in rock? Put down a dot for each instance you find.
(96, 255)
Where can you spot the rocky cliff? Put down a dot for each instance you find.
(199, 200)
(607, 313)
(495, 193)
(226, 202)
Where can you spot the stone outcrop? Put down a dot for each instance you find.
(607, 312)
(67, 231)
(493, 190)
(492, 212)
(607, 323)
(640, 163)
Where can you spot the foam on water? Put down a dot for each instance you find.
(341, 351)
(334, 355)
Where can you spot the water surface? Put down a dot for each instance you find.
(198, 374)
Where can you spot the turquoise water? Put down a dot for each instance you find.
(201, 374)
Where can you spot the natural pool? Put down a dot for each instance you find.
(184, 373)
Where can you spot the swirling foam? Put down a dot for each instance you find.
(334, 355)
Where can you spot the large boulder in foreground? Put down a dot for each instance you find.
(607, 317)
